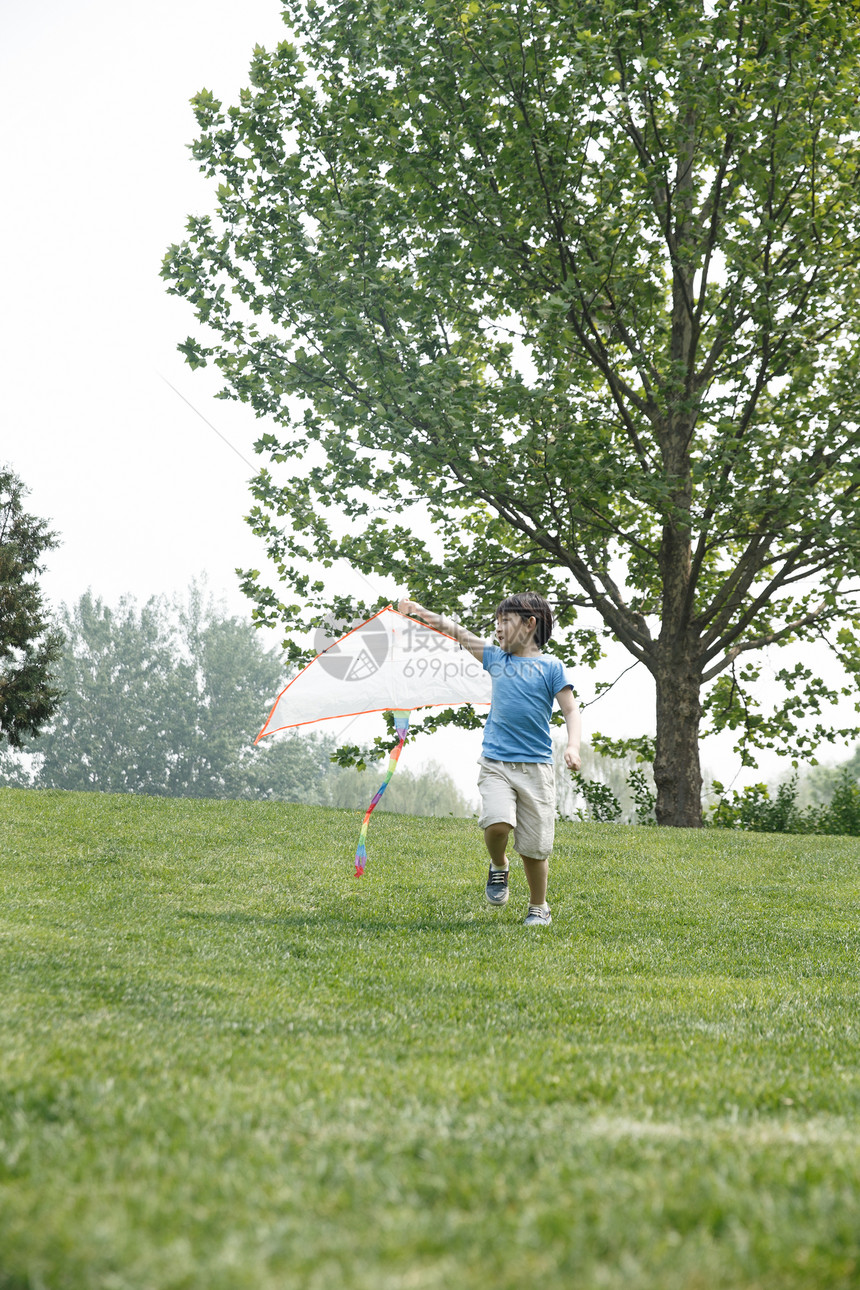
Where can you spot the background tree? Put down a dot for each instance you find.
(431, 791)
(817, 784)
(578, 283)
(29, 647)
(168, 700)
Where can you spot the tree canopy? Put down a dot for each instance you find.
(577, 283)
(29, 644)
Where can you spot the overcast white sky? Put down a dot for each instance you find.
(99, 182)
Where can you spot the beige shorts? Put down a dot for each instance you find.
(521, 794)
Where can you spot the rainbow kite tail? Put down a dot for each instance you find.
(401, 725)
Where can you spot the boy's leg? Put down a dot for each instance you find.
(498, 817)
(537, 876)
(533, 836)
(496, 841)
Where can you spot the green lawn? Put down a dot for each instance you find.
(225, 1064)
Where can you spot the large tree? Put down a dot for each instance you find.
(29, 643)
(577, 282)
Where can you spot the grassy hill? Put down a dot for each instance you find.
(227, 1065)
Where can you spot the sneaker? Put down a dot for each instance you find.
(497, 886)
(538, 916)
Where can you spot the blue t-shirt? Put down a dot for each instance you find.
(524, 688)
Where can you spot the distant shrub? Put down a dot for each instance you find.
(615, 783)
(842, 814)
(603, 805)
(643, 795)
(755, 810)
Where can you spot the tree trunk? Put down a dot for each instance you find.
(677, 771)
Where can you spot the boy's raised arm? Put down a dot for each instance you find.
(467, 639)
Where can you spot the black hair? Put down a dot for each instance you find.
(528, 604)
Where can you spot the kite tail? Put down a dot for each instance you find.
(401, 725)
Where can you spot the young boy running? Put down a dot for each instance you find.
(516, 780)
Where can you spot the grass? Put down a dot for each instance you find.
(227, 1065)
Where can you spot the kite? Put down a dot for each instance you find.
(390, 663)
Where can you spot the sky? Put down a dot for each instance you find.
(95, 98)
(144, 495)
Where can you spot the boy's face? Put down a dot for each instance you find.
(514, 633)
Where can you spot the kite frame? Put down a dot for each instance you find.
(457, 703)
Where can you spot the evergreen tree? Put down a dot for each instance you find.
(29, 646)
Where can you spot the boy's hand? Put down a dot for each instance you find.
(572, 759)
(410, 608)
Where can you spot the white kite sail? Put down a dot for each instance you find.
(388, 663)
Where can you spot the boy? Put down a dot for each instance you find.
(516, 781)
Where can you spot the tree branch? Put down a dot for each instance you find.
(749, 615)
(818, 615)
